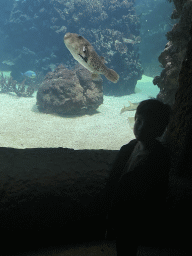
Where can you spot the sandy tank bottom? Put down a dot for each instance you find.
(23, 126)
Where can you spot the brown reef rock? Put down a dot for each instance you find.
(69, 92)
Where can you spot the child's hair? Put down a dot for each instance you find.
(156, 112)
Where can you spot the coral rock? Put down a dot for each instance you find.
(69, 92)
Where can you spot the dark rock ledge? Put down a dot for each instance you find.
(49, 192)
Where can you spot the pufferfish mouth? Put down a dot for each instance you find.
(67, 35)
(84, 58)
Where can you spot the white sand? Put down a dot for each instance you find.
(23, 126)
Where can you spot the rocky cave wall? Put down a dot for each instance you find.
(172, 56)
(178, 135)
(179, 140)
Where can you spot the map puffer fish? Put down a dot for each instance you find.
(85, 54)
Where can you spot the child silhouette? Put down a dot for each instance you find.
(138, 181)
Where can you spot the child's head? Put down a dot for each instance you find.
(151, 119)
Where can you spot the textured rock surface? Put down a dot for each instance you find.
(179, 130)
(69, 92)
(171, 58)
(179, 138)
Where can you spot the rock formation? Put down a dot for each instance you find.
(69, 92)
(179, 140)
(172, 56)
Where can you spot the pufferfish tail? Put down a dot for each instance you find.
(111, 75)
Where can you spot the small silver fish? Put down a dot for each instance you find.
(133, 106)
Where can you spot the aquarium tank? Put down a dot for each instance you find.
(72, 72)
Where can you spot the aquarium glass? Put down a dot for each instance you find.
(80, 91)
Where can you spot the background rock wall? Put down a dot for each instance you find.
(34, 37)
